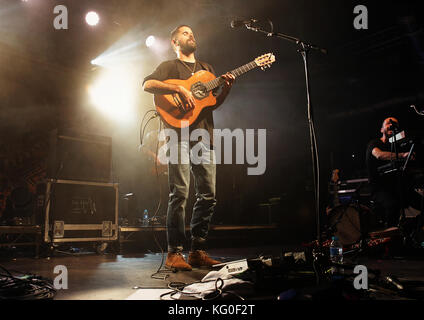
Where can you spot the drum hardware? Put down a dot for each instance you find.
(358, 226)
(354, 218)
(350, 223)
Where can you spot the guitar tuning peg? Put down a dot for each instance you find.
(262, 68)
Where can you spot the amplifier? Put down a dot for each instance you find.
(75, 155)
(78, 211)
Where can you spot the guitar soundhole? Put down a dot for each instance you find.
(199, 90)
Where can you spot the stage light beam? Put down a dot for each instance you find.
(92, 18)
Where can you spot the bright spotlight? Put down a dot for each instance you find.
(114, 94)
(150, 41)
(92, 18)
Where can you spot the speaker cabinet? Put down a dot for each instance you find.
(75, 155)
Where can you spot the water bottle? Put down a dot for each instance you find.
(336, 250)
(146, 218)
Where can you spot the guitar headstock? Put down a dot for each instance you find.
(264, 61)
(335, 175)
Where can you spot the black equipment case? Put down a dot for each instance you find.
(80, 211)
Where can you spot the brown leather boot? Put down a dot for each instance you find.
(200, 258)
(176, 261)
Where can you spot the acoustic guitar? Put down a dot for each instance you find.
(202, 85)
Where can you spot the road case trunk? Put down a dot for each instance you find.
(80, 211)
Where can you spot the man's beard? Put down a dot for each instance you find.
(188, 48)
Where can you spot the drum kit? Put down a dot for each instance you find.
(355, 219)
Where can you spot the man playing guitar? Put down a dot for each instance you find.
(184, 67)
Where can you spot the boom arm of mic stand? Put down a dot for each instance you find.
(297, 41)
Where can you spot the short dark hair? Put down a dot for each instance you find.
(175, 31)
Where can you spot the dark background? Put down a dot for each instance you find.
(366, 76)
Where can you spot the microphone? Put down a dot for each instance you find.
(239, 23)
(394, 123)
(394, 126)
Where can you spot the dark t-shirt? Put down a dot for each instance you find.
(376, 180)
(175, 69)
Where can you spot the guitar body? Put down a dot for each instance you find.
(170, 108)
(201, 85)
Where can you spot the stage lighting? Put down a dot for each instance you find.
(114, 93)
(150, 41)
(92, 18)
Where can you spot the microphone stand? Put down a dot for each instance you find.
(303, 49)
(402, 176)
(400, 171)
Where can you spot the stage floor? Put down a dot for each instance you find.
(119, 276)
(113, 277)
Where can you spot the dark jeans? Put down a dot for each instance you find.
(179, 181)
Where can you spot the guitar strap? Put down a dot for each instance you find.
(205, 66)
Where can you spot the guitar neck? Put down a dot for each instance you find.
(211, 85)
